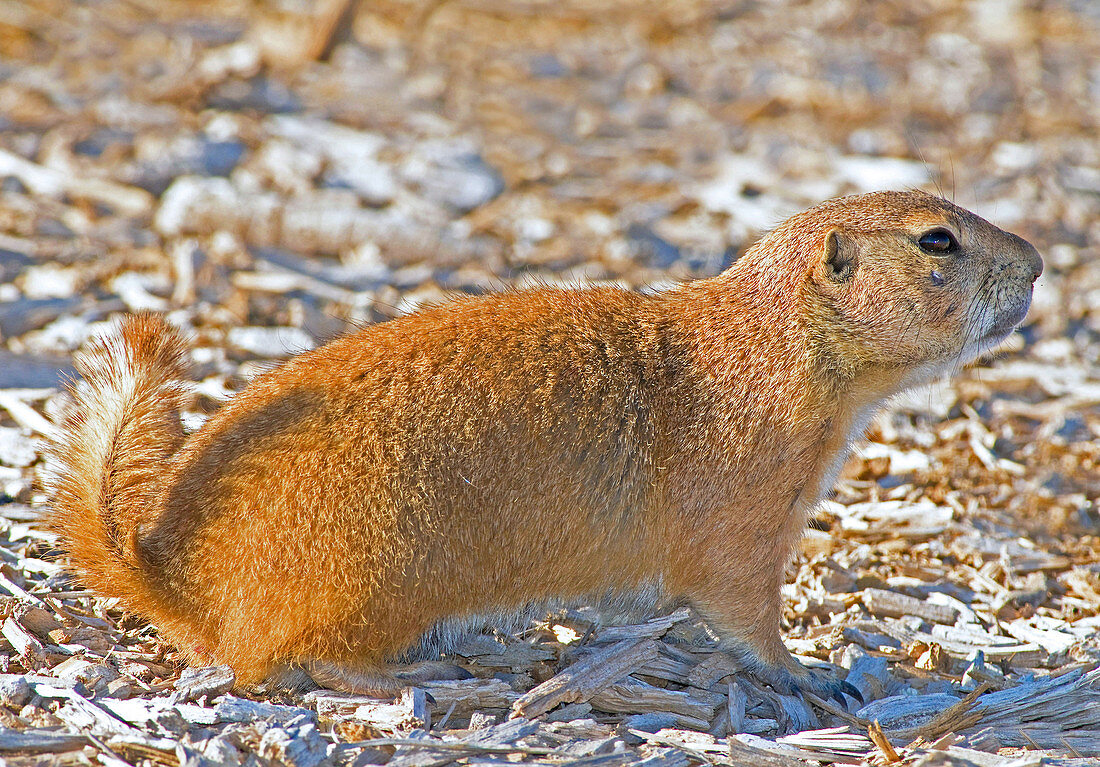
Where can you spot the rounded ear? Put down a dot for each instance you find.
(841, 256)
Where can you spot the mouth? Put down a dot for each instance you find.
(1007, 322)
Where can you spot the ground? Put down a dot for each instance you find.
(268, 173)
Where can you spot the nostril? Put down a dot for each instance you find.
(1036, 265)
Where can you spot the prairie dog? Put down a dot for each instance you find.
(366, 501)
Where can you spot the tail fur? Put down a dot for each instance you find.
(111, 452)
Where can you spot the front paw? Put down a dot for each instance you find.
(798, 679)
(776, 667)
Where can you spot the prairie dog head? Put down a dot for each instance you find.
(908, 280)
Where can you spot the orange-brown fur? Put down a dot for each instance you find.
(502, 451)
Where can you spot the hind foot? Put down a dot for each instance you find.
(431, 671)
(381, 681)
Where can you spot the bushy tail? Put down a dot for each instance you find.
(111, 450)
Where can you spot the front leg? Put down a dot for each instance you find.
(740, 599)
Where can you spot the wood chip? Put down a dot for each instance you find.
(469, 695)
(39, 742)
(878, 737)
(894, 605)
(581, 681)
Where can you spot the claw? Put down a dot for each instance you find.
(838, 696)
(851, 690)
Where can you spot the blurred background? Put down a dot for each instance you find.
(270, 171)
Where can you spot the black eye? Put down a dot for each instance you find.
(938, 242)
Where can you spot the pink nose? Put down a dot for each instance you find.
(1034, 260)
(1036, 265)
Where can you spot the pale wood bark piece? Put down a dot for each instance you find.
(758, 752)
(663, 757)
(651, 629)
(23, 641)
(582, 680)
(51, 182)
(211, 681)
(831, 742)
(714, 667)
(894, 605)
(468, 695)
(736, 701)
(669, 669)
(639, 698)
(40, 742)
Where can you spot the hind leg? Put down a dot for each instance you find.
(380, 681)
(430, 671)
